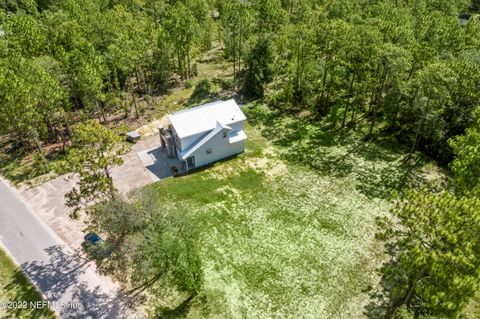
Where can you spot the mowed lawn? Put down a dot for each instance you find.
(14, 287)
(291, 235)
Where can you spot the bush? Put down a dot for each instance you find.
(203, 90)
(188, 84)
(225, 84)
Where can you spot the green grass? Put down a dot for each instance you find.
(472, 310)
(287, 228)
(15, 287)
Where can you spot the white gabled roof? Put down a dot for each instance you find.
(204, 118)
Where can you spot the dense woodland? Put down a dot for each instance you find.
(412, 66)
(403, 68)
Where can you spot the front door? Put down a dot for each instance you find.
(190, 162)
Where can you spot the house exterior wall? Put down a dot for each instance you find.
(189, 140)
(220, 149)
(178, 142)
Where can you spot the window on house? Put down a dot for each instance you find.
(209, 151)
(224, 134)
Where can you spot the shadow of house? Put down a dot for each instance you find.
(158, 163)
(71, 291)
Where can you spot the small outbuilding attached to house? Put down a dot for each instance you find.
(204, 134)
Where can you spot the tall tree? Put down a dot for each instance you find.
(183, 31)
(431, 95)
(31, 97)
(466, 165)
(236, 19)
(95, 149)
(435, 251)
(391, 65)
(160, 245)
(85, 69)
(260, 68)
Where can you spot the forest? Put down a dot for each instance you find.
(406, 69)
(410, 65)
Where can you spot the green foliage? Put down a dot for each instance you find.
(204, 89)
(433, 239)
(347, 62)
(183, 31)
(95, 150)
(25, 34)
(31, 98)
(260, 68)
(237, 23)
(95, 51)
(19, 6)
(161, 247)
(270, 15)
(466, 165)
(435, 253)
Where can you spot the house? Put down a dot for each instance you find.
(204, 134)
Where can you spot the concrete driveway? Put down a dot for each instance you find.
(48, 200)
(158, 164)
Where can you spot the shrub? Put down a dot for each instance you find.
(203, 90)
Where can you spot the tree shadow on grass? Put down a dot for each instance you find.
(382, 182)
(24, 292)
(65, 282)
(381, 300)
(11, 163)
(376, 164)
(179, 311)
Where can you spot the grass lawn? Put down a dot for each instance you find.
(287, 228)
(15, 287)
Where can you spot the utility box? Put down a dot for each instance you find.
(132, 136)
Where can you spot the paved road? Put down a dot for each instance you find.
(69, 282)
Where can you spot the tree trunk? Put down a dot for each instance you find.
(324, 80)
(111, 188)
(329, 85)
(417, 133)
(297, 82)
(350, 93)
(397, 303)
(378, 96)
(75, 105)
(134, 100)
(137, 78)
(234, 51)
(101, 106)
(39, 147)
(188, 64)
(240, 46)
(179, 60)
(354, 103)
